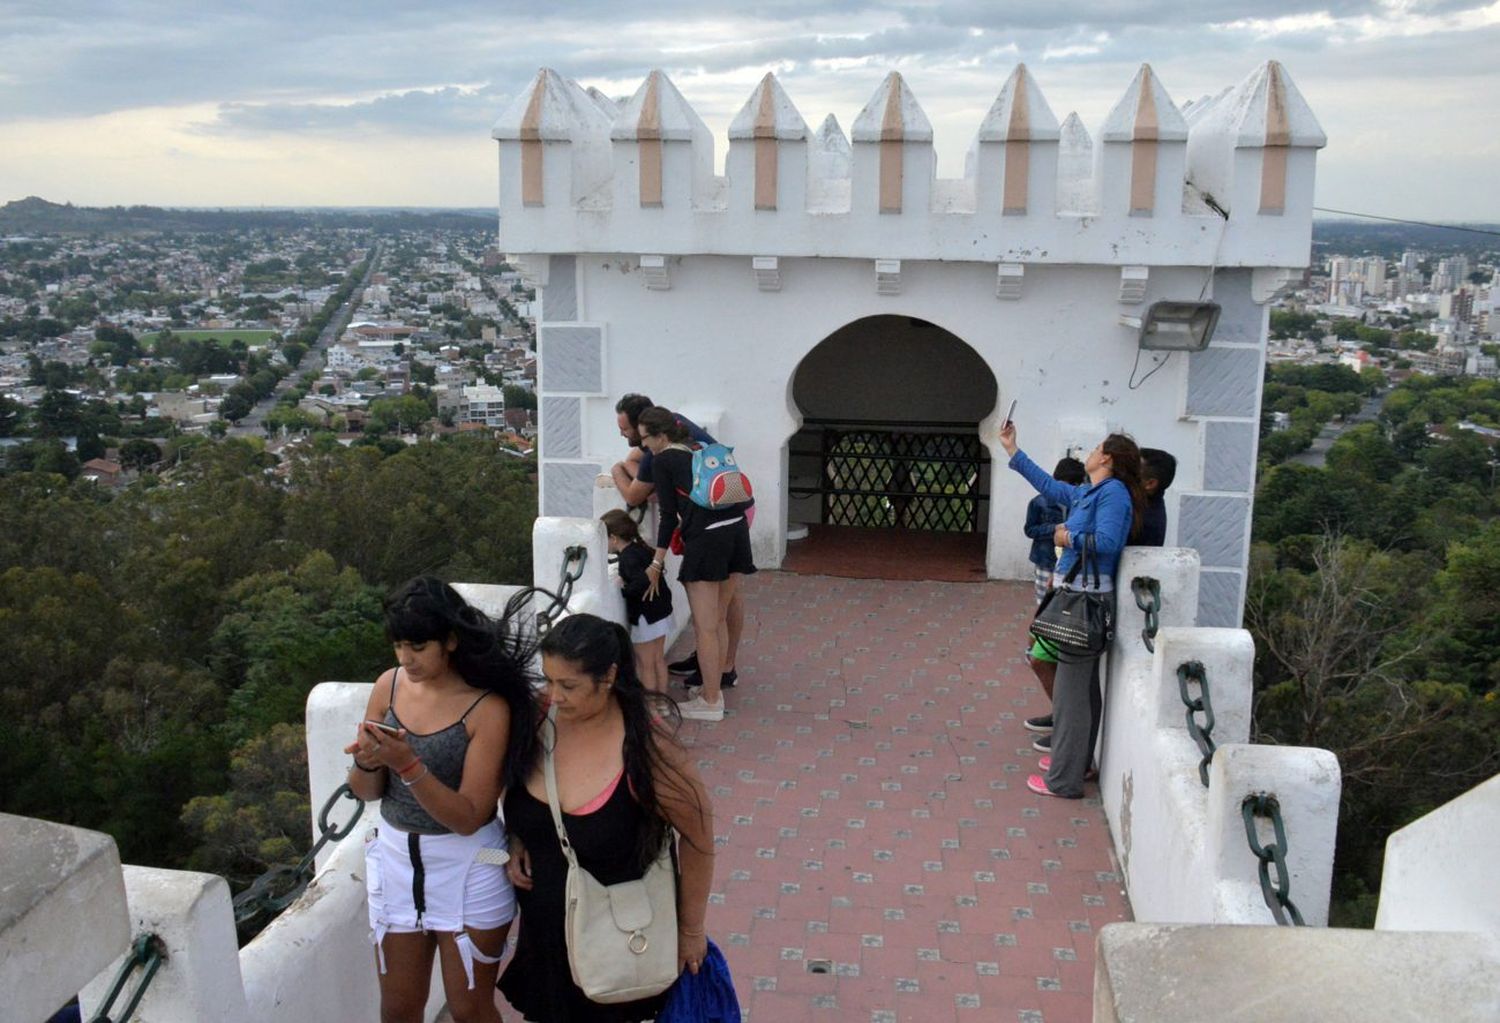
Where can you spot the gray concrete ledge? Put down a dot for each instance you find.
(62, 914)
(1148, 973)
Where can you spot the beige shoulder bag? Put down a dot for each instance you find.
(622, 938)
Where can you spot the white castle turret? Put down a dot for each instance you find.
(823, 283)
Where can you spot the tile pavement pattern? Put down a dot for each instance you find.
(869, 784)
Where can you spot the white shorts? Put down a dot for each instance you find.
(461, 883)
(645, 632)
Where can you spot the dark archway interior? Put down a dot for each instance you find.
(891, 407)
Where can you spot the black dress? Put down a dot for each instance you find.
(537, 980)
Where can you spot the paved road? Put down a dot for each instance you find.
(1317, 455)
(316, 357)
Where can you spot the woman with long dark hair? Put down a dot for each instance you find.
(444, 732)
(715, 556)
(624, 784)
(1107, 510)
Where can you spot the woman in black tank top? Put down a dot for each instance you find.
(625, 784)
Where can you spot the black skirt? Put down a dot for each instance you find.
(713, 553)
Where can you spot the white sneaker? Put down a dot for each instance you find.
(696, 708)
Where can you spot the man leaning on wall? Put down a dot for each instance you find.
(632, 478)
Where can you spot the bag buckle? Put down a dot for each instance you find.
(645, 943)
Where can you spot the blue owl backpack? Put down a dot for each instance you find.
(717, 480)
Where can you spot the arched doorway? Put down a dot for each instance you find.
(887, 470)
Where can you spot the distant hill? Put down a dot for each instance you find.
(1356, 237)
(33, 216)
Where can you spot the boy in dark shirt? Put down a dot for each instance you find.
(1042, 518)
(1158, 470)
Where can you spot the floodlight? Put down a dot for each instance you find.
(1175, 326)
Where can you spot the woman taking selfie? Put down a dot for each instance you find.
(1103, 512)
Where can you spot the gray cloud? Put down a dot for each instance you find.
(79, 58)
(344, 69)
(444, 111)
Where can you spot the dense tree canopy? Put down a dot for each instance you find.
(162, 641)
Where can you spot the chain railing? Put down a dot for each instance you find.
(147, 953)
(574, 558)
(280, 886)
(1278, 891)
(1190, 672)
(1148, 598)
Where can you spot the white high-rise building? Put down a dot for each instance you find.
(1410, 261)
(1374, 276)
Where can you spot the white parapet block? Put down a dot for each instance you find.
(594, 591)
(1137, 789)
(491, 598)
(1306, 784)
(334, 710)
(200, 978)
(63, 914)
(1439, 872)
(1146, 972)
(315, 961)
(1182, 846)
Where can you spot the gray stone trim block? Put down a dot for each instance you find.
(1228, 456)
(560, 296)
(1219, 604)
(1217, 527)
(1223, 382)
(572, 359)
(562, 428)
(1241, 320)
(568, 489)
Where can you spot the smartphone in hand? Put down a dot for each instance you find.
(388, 729)
(1010, 413)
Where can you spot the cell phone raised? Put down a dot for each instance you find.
(388, 729)
(1010, 413)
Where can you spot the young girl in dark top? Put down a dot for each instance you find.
(444, 732)
(649, 619)
(715, 555)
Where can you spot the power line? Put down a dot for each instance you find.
(1399, 220)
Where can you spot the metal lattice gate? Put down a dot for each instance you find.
(921, 476)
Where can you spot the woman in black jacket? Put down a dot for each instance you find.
(716, 552)
(650, 620)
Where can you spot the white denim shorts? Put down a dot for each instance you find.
(438, 883)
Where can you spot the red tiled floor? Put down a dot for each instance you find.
(860, 553)
(869, 792)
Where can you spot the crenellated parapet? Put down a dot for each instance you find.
(1253, 146)
(1225, 181)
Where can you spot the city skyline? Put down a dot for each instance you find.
(383, 105)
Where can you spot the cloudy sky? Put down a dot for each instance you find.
(382, 102)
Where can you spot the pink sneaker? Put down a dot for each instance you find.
(1038, 784)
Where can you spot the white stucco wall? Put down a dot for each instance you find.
(713, 345)
(1439, 872)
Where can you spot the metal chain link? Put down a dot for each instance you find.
(1277, 893)
(1203, 735)
(280, 886)
(570, 575)
(1148, 598)
(147, 952)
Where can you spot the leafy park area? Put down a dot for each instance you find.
(1374, 600)
(163, 639)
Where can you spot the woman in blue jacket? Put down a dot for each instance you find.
(1108, 507)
